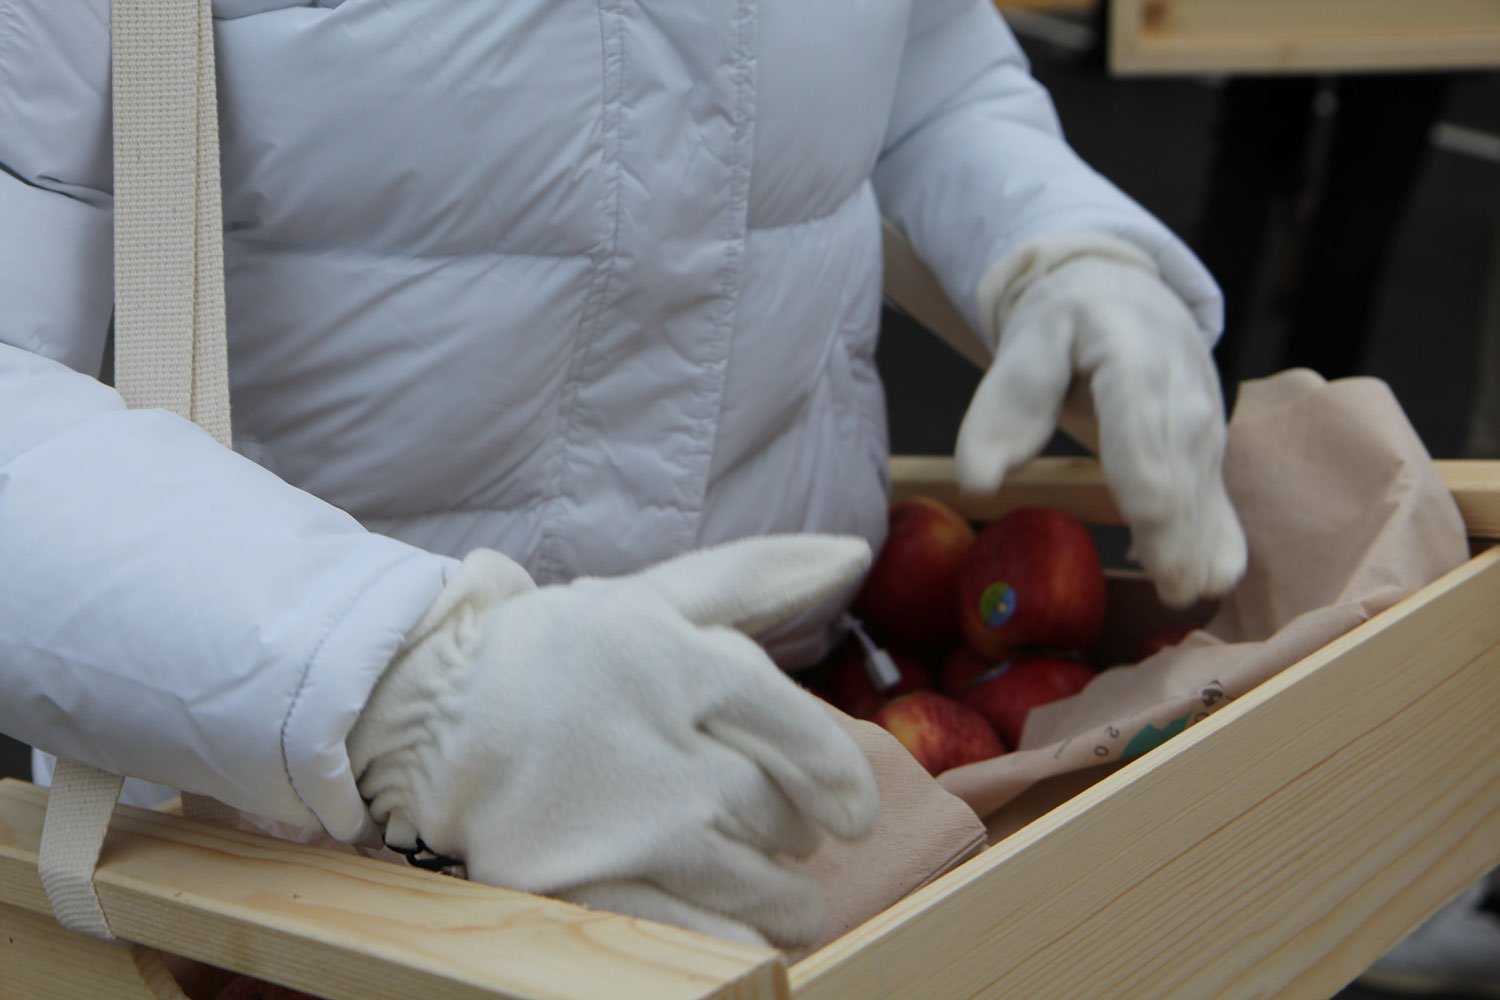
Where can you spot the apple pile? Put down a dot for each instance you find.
(981, 627)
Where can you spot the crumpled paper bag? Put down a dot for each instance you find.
(1345, 514)
(922, 832)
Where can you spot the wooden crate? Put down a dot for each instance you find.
(1275, 849)
(1301, 36)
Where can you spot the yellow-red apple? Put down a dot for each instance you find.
(939, 732)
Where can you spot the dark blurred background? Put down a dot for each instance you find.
(1322, 206)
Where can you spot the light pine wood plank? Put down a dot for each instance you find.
(1270, 36)
(39, 960)
(350, 928)
(1476, 486)
(1274, 849)
(1077, 486)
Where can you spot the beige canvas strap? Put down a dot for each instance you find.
(78, 812)
(170, 347)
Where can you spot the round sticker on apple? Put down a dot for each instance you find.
(997, 604)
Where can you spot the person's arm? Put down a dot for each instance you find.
(171, 611)
(975, 164)
(168, 609)
(1068, 282)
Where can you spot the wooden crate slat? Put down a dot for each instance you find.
(1274, 849)
(349, 928)
(1268, 36)
(41, 961)
(1476, 486)
(1077, 486)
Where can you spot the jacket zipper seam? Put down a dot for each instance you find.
(549, 562)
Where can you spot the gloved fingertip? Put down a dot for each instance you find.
(1229, 568)
(849, 555)
(850, 812)
(803, 929)
(755, 583)
(1229, 553)
(859, 820)
(977, 471)
(1175, 594)
(1208, 570)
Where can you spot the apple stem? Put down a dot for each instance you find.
(878, 663)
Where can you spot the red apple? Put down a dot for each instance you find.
(848, 686)
(961, 668)
(1032, 578)
(1008, 693)
(908, 594)
(938, 731)
(1161, 638)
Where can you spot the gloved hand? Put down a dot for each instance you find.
(1094, 307)
(622, 742)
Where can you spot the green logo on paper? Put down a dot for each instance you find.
(997, 604)
(1150, 737)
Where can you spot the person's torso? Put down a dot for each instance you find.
(588, 282)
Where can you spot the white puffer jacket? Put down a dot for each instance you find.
(591, 283)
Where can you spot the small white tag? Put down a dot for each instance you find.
(883, 672)
(878, 663)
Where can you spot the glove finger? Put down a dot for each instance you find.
(638, 899)
(1189, 559)
(1016, 406)
(759, 812)
(785, 730)
(732, 879)
(755, 583)
(822, 773)
(1162, 446)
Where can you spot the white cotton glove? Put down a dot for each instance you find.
(1094, 306)
(622, 742)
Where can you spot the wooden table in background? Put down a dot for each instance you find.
(1160, 37)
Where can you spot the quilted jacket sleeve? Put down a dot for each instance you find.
(975, 163)
(168, 609)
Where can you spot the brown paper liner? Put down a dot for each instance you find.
(1345, 514)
